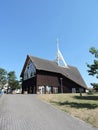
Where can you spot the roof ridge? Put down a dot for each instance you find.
(42, 59)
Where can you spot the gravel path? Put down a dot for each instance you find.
(27, 112)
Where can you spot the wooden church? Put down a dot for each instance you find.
(41, 76)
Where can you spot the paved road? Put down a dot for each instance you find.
(27, 112)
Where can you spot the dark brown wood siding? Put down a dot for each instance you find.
(46, 78)
(29, 85)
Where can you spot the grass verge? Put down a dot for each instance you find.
(85, 107)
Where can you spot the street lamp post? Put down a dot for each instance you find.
(61, 85)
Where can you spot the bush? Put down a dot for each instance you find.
(90, 92)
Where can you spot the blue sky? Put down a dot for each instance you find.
(32, 27)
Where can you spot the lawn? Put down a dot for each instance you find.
(84, 107)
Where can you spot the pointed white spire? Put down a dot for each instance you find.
(60, 58)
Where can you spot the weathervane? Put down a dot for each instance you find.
(60, 59)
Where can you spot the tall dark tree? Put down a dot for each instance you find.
(93, 68)
(12, 80)
(3, 77)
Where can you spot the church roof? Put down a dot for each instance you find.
(70, 72)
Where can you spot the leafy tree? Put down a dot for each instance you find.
(19, 86)
(95, 86)
(12, 80)
(93, 68)
(3, 77)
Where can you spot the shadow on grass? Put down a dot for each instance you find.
(86, 97)
(76, 105)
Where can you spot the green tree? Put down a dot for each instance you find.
(93, 68)
(12, 80)
(3, 77)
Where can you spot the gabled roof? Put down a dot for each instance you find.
(71, 72)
